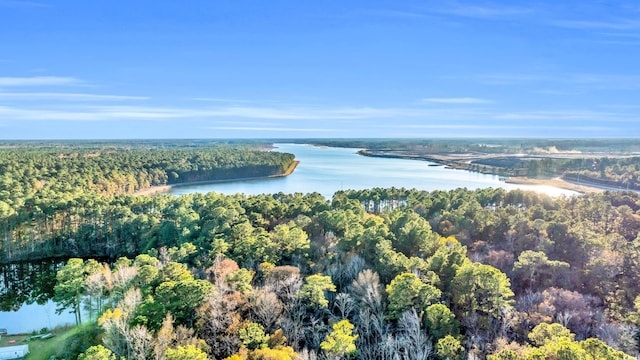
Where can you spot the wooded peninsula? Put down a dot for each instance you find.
(369, 274)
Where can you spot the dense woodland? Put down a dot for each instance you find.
(372, 274)
(41, 172)
(48, 192)
(385, 273)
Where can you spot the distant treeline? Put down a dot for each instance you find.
(486, 145)
(30, 175)
(621, 173)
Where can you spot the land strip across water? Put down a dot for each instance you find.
(161, 189)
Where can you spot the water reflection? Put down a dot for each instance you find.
(27, 282)
(25, 292)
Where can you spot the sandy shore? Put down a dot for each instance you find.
(166, 188)
(555, 182)
(153, 190)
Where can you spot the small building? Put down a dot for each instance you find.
(14, 352)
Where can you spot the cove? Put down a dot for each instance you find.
(326, 170)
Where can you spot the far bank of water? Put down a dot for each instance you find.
(326, 170)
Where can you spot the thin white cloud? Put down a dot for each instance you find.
(475, 127)
(221, 100)
(448, 126)
(457, 100)
(559, 92)
(37, 81)
(633, 107)
(263, 128)
(593, 80)
(246, 123)
(627, 35)
(305, 113)
(570, 115)
(614, 24)
(395, 14)
(479, 11)
(120, 112)
(618, 42)
(223, 116)
(453, 8)
(508, 79)
(66, 96)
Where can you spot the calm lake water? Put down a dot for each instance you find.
(34, 317)
(327, 170)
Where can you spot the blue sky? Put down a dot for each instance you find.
(299, 69)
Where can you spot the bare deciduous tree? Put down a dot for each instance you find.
(366, 290)
(219, 322)
(266, 309)
(122, 278)
(140, 343)
(164, 337)
(413, 342)
(344, 305)
(116, 326)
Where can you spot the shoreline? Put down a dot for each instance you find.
(457, 163)
(555, 182)
(450, 161)
(163, 189)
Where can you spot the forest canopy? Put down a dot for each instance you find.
(371, 274)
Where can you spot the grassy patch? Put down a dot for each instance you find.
(43, 349)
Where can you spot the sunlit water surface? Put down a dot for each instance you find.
(327, 170)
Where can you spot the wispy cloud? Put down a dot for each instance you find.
(38, 81)
(570, 115)
(303, 113)
(86, 113)
(459, 126)
(263, 128)
(613, 24)
(559, 92)
(256, 118)
(625, 35)
(67, 96)
(511, 78)
(593, 80)
(122, 112)
(453, 8)
(618, 42)
(478, 11)
(457, 100)
(501, 129)
(246, 123)
(390, 13)
(221, 100)
(90, 113)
